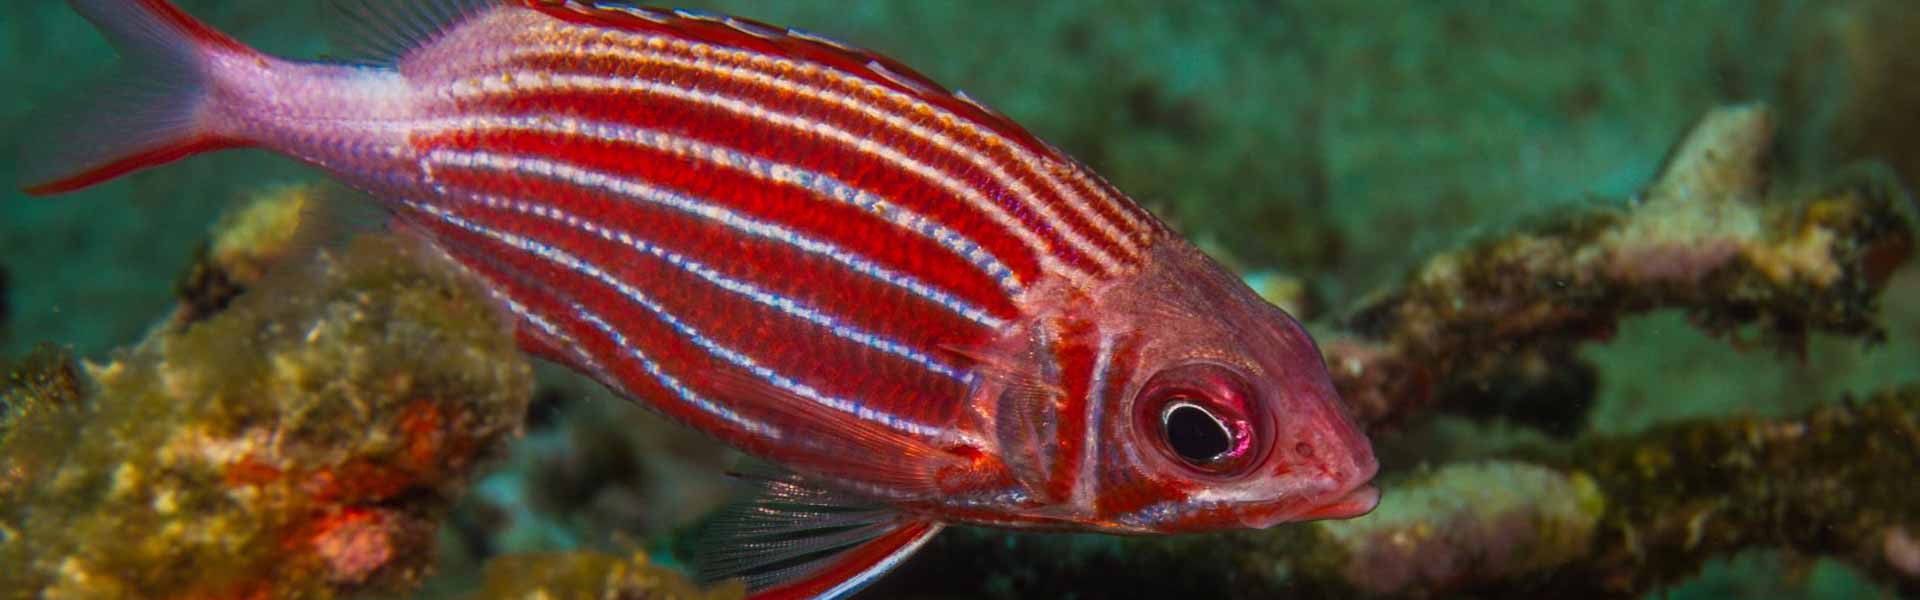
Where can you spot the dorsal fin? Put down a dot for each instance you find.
(381, 31)
(748, 34)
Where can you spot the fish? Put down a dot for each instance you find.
(912, 310)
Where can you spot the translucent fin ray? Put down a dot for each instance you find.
(795, 539)
(148, 113)
(383, 31)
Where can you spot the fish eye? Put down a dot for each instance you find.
(1195, 435)
(1202, 417)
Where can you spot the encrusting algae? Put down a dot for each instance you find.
(1468, 523)
(305, 442)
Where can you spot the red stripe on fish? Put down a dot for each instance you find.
(912, 329)
(755, 209)
(559, 323)
(1076, 349)
(695, 295)
(581, 63)
(827, 64)
(1079, 235)
(922, 194)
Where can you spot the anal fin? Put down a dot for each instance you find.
(794, 539)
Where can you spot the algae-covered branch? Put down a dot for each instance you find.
(1711, 236)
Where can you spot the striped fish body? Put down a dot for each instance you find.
(805, 250)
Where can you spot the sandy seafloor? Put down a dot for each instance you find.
(1334, 141)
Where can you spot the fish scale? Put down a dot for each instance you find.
(920, 312)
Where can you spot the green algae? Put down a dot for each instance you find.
(304, 442)
(590, 576)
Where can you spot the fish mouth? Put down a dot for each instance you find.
(1359, 501)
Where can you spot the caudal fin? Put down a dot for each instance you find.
(151, 112)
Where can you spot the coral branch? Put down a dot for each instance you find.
(1702, 238)
(1628, 515)
(1836, 482)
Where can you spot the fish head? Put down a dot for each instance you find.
(1228, 419)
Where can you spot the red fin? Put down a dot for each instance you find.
(164, 12)
(150, 112)
(114, 168)
(857, 567)
(794, 539)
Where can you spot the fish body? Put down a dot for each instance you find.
(811, 252)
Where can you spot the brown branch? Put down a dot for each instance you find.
(1708, 237)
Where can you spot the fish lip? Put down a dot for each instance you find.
(1356, 502)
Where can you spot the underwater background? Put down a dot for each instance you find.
(1622, 290)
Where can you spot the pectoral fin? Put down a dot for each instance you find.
(797, 540)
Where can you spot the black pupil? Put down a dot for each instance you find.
(1194, 434)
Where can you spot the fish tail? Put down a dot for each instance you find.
(151, 112)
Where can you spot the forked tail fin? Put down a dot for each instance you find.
(151, 112)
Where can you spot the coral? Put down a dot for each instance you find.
(1473, 522)
(1706, 237)
(304, 442)
(246, 243)
(588, 575)
(1608, 517)
(1834, 482)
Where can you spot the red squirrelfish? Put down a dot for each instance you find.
(921, 312)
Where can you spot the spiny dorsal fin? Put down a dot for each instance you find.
(794, 539)
(381, 31)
